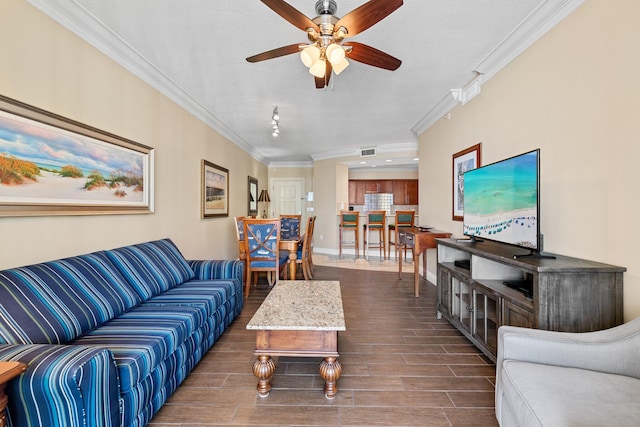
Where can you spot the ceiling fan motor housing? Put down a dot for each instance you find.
(326, 7)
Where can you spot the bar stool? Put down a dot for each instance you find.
(350, 221)
(376, 222)
(404, 219)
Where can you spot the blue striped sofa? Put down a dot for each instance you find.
(108, 336)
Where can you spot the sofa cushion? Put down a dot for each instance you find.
(57, 301)
(152, 267)
(208, 294)
(544, 395)
(144, 337)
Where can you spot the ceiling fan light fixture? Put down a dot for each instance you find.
(319, 68)
(340, 66)
(335, 53)
(310, 55)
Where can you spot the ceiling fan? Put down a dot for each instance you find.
(327, 53)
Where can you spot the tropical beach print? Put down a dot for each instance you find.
(500, 201)
(44, 164)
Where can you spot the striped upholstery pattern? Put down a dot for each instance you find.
(55, 302)
(64, 386)
(139, 318)
(152, 267)
(216, 269)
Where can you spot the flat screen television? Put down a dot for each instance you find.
(502, 202)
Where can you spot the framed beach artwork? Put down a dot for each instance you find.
(52, 165)
(463, 161)
(215, 190)
(253, 197)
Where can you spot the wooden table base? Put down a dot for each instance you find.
(330, 370)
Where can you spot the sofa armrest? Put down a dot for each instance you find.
(217, 269)
(611, 351)
(64, 385)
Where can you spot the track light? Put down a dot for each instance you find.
(274, 122)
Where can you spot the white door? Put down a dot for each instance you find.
(287, 196)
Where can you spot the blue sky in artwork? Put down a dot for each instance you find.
(46, 145)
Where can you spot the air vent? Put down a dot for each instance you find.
(367, 152)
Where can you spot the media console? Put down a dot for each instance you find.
(566, 294)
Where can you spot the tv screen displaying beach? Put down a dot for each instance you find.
(501, 201)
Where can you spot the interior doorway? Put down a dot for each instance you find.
(287, 197)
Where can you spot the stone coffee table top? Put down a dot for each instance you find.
(313, 305)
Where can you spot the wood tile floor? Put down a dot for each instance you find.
(401, 367)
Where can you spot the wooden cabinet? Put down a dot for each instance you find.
(412, 192)
(405, 191)
(568, 294)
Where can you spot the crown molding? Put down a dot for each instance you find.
(74, 17)
(301, 164)
(546, 16)
(355, 152)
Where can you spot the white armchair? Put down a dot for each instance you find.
(557, 379)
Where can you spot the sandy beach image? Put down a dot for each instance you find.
(50, 187)
(518, 227)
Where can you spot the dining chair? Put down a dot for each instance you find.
(262, 250)
(377, 223)
(304, 250)
(239, 221)
(350, 221)
(313, 227)
(404, 219)
(290, 227)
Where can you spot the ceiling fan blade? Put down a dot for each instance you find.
(291, 14)
(321, 82)
(275, 53)
(372, 56)
(367, 15)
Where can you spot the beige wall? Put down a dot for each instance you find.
(573, 94)
(47, 66)
(381, 173)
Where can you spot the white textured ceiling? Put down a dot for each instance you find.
(194, 52)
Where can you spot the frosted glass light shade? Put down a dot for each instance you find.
(340, 66)
(318, 69)
(310, 55)
(335, 53)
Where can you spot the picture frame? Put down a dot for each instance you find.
(252, 198)
(463, 161)
(214, 193)
(52, 165)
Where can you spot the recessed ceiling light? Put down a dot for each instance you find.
(363, 163)
(373, 166)
(388, 160)
(416, 159)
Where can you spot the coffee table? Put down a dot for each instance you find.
(299, 318)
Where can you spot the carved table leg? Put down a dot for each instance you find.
(263, 369)
(330, 371)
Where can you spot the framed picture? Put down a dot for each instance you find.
(252, 209)
(463, 161)
(52, 165)
(215, 190)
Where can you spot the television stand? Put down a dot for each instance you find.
(562, 293)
